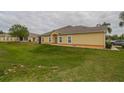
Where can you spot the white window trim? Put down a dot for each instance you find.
(59, 39)
(71, 39)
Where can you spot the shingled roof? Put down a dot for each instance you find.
(33, 35)
(76, 30)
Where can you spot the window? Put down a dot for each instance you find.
(60, 39)
(69, 39)
(42, 39)
(49, 39)
(7, 38)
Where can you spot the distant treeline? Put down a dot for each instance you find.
(115, 37)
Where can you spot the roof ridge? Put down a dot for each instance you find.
(77, 29)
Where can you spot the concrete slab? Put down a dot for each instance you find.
(114, 48)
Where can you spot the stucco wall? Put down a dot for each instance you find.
(45, 40)
(88, 40)
(33, 39)
(8, 39)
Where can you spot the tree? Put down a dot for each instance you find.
(20, 31)
(121, 17)
(1, 32)
(108, 37)
(114, 37)
(121, 37)
(108, 26)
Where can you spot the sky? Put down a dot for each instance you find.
(44, 21)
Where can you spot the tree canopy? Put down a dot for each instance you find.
(115, 37)
(20, 31)
(107, 25)
(1, 32)
(121, 17)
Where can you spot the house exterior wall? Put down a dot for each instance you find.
(64, 39)
(45, 40)
(8, 39)
(87, 40)
(33, 39)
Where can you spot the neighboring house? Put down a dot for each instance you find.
(78, 36)
(9, 38)
(33, 37)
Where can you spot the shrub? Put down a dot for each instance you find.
(108, 44)
(123, 46)
(1, 72)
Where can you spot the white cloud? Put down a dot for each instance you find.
(41, 22)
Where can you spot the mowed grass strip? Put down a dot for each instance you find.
(35, 62)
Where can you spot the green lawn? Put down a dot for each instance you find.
(33, 62)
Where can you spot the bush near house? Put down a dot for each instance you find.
(123, 46)
(108, 44)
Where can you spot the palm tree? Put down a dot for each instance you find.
(108, 26)
(121, 17)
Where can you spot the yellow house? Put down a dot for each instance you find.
(77, 36)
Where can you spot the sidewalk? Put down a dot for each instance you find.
(114, 48)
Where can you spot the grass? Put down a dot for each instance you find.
(33, 62)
